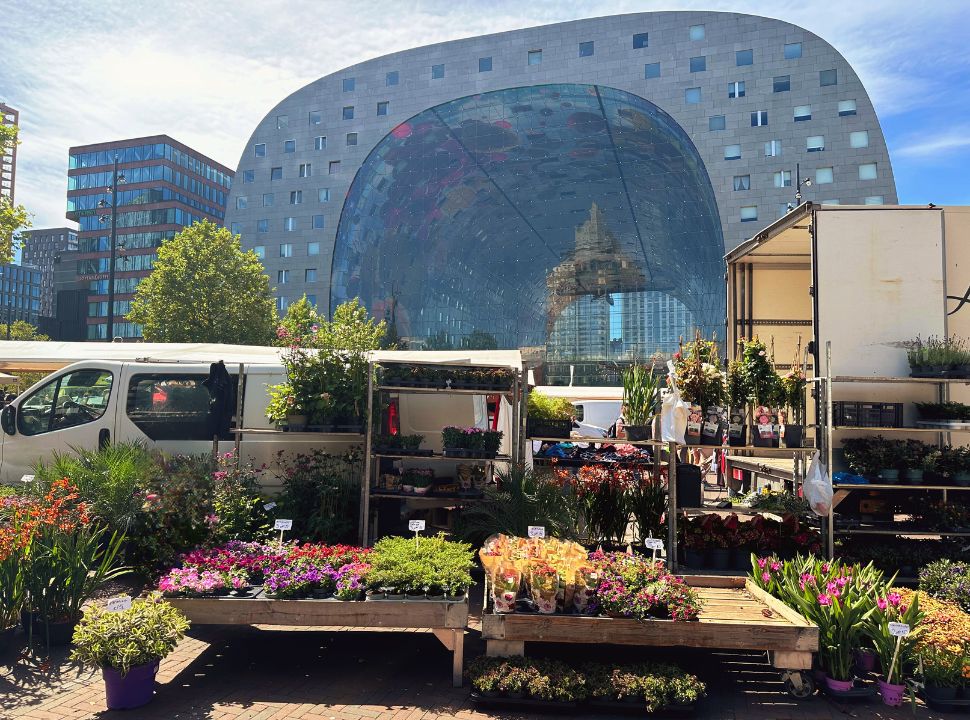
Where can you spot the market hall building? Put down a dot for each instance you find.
(570, 189)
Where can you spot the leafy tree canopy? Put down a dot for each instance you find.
(21, 330)
(12, 217)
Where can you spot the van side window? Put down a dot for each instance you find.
(74, 399)
(579, 412)
(167, 406)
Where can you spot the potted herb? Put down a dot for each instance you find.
(943, 413)
(791, 391)
(641, 396)
(954, 463)
(421, 479)
(938, 357)
(128, 646)
(549, 417)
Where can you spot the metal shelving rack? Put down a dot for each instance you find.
(842, 490)
(514, 394)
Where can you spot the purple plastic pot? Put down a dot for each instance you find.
(892, 695)
(865, 660)
(838, 685)
(135, 689)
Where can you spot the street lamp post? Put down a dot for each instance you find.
(113, 189)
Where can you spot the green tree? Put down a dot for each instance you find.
(21, 330)
(12, 217)
(351, 329)
(204, 288)
(301, 320)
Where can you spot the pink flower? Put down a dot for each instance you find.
(894, 599)
(881, 602)
(775, 566)
(825, 567)
(151, 496)
(766, 577)
(824, 599)
(902, 609)
(762, 563)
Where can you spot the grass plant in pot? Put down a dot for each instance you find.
(641, 395)
(938, 357)
(549, 417)
(737, 395)
(128, 646)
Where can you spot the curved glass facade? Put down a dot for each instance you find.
(577, 220)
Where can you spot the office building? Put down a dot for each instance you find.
(43, 248)
(8, 156)
(20, 288)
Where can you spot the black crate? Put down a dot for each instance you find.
(853, 413)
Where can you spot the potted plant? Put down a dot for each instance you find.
(284, 408)
(697, 369)
(954, 463)
(938, 357)
(549, 417)
(737, 395)
(756, 370)
(641, 396)
(895, 652)
(791, 391)
(411, 444)
(915, 454)
(128, 646)
(421, 479)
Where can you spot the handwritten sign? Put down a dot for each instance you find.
(281, 524)
(117, 604)
(415, 525)
(26, 478)
(653, 544)
(537, 531)
(269, 506)
(898, 629)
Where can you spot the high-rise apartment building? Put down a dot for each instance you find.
(19, 294)
(8, 156)
(167, 186)
(42, 248)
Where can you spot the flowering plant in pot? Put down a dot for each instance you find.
(697, 371)
(544, 583)
(128, 646)
(895, 652)
(942, 647)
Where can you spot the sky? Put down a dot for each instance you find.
(205, 73)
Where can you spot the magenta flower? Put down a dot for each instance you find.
(766, 577)
(881, 602)
(824, 599)
(762, 563)
(775, 566)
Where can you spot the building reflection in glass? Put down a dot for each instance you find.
(574, 220)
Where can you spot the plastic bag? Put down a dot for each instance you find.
(817, 488)
(673, 411)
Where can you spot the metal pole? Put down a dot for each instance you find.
(671, 505)
(111, 263)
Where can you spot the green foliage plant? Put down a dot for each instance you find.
(756, 373)
(545, 407)
(938, 353)
(698, 373)
(427, 565)
(641, 394)
(321, 494)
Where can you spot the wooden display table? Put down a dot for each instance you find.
(447, 620)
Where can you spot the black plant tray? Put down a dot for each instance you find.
(524, 704)
(954, 703)
(421, 452)
(468, 454)
(637, 708)
(612, 707)
(941, 374)
(856, 693)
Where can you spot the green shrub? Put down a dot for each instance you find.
(544, 407)
(432, 565)
(321, 494)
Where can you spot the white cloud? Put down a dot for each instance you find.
(940, 145)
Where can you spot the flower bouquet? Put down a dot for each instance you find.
(505, 588)
(544, 584)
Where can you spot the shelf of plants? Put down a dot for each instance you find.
(546, 590)
(399, 583)
(463, 446)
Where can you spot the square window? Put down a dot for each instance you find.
(749, 213)
(282, 276)
(306, 170)
(241, 202)
(859, 139)
(802, 113)
(259, 149)
(282, 303)
(289, 225)
(651, 70)
(696, 32)
(698, 64)
(313, 248)
(310, 275)
(315, 117)
(715, 122)
(318, 222)
(744, 57)
(320, 142)
(692, 96)
(348, 112)
(262, 225)
(732, 152)
(289, 146)
(249, 176)
(736, 89)
(846, 108)
(824, 176)
(759, 118)
(382, 108)
(351, 138)
(535, 57)
(828, 77)
(282, 121)
(437, 71)
(260, 251)
(235, 228)
(334, 167)
(782, 83)
(640, 40)
(349, 84)
(391, 78)
(815, 143)
(268, 199)
(742, 182)
(873, 200)
(793, 51)
(276, 173)
(867, 171)
(783, 178)
(485, 64)
(296, 197)
(323, 195)
(586, 49)
(286, 250)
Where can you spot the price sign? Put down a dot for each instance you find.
(537, 531)
(269, 506)
(415, 525)
(283, 525)
(898, 629)
(654, 544)
(117, 604)
(26, 478)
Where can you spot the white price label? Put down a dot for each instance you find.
(269, 506)
(537, 531)
(283, 525)
(654, 544)
(898, 629)
(118, 604)
(26, 478)
(415, 525)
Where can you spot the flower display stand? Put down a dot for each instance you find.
(447, 620)
(737, 615)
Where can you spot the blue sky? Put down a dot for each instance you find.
(206, 72)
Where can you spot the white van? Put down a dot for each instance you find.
(597, 408)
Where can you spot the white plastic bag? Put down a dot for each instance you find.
(673, 411)
(817, 488)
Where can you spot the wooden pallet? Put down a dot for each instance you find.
(733, 618)
(446, 620)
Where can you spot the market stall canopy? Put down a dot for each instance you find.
(788, 240)
(25, 356)
(488, 358)
(581, 392)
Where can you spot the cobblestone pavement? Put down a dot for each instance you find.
(231, 673)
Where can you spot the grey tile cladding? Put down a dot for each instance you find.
(615, 63)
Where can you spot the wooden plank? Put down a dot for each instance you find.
(714, 581)
(790, 660)
(395, 614)
(773, 603)
(503, 648)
